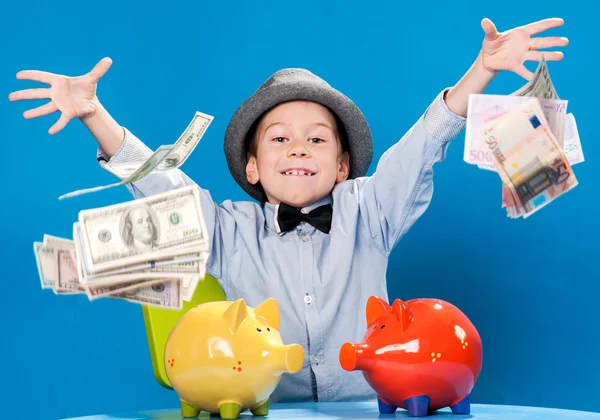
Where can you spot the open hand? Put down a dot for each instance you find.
(509, 50)
(74, 97)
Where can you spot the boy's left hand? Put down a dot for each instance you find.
(509, 50)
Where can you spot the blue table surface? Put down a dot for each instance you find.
(367, 410)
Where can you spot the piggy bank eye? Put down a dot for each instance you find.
(268, 329)
(382, 327)
(258, 329)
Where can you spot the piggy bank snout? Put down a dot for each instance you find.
(294, 357)
(348, 356)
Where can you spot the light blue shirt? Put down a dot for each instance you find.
(320, 281)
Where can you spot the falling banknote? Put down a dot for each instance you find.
(532, 166)
(165, 158)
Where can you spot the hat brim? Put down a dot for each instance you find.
(356, 126)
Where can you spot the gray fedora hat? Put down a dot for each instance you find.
(288, 85)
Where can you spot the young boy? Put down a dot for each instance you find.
(320, 240)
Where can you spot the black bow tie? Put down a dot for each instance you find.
(289, 217)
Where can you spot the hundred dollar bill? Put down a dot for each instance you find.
(540, 85)
(183, 148)
(57, 242)
(166, 294)
(166, 157)
(59, 256)
(173, 267)
(483, 108)
(153, 161)
(55, 265)
(143, 230)
(44, 257)
(63, 252)
(46, 254)
(68, 278)
(192, 265)
(528, 159)
(78, 253)
(96, 291)
(190, 282)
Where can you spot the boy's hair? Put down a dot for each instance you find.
(339, 131)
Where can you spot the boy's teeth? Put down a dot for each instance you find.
(297, 173)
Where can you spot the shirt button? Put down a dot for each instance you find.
(316, 359)
(308, 298)
(304, 238)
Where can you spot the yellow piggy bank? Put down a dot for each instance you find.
(226, 357)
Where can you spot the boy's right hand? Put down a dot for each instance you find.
(74, 97)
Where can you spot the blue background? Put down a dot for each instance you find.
(530, 286)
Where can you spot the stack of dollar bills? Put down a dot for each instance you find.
(150, 251)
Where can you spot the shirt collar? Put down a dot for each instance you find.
(272, 209)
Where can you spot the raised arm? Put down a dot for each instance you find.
(400, 190)
(75, 97)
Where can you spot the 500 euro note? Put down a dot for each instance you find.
(533, 167)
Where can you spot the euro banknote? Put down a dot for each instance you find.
(484, 107)
(532, 166)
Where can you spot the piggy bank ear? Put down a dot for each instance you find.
(235, 314)
(375, 307)
(400, 309)
(268, 310)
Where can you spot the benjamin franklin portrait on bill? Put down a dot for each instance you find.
(140, 228)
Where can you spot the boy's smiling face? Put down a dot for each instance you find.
(297, 154)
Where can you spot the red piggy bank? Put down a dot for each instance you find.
(420, 355)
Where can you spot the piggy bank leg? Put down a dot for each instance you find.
(262, 409)
(188, 411)
(385, 407)
(417, 406)
(230, 410)
(463, 406)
